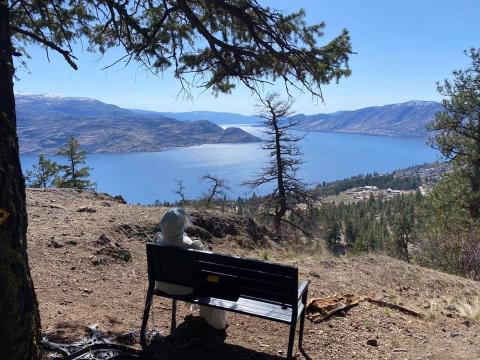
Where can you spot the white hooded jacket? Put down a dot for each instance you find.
(172, 233)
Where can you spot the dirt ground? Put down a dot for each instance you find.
(88, 262)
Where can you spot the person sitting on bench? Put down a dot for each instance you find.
(172, 233)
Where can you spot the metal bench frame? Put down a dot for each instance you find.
(246, 286)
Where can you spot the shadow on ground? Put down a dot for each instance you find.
(194, 339)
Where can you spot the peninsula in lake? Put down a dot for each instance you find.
(46, 122)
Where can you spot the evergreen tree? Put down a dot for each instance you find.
(334, 233)
(350, 232)
(457, 129)
(43, 174)
(74, 174)
(449, 238)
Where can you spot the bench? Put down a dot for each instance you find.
(246, 286)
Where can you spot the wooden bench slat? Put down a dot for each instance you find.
(252, 264)
(261, 293)
(242, 305)
(247, 273)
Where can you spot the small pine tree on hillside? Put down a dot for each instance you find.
(74, 174)
(43, 174)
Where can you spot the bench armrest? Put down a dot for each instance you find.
(302, 289)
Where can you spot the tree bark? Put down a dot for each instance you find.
(282, 200)
(19, 317)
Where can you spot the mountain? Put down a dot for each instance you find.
(46, 122)
(215, 117)
(405, 119)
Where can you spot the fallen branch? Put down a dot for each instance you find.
(319, 317)
(395, 307)
(319, 310)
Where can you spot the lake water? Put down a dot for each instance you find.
(144, 177)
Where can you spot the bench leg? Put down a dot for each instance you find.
(302, 319)
(291, 339)
(300, 331)
(146, 314)
(174, 316)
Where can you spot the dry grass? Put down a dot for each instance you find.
(265, 254)
(469, 309)
(434, 309)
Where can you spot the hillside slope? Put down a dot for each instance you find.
(405, 119)
(87, 256)
(45, 123)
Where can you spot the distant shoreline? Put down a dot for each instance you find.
(239, 143)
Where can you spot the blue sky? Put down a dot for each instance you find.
(403, 48)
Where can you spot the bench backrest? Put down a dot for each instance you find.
(222, 276)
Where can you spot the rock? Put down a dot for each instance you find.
(98, 261)
(454, 334)
(221, 226)
(128, 338)
(256, 232)
(119, 199)
(103, 240)
(55, 244)
(135, 231)
(400, 350)
(372, 342)
(87, 209)
(198, 232)
(112, 249)
(55, 206)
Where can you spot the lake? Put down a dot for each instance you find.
(144, 177)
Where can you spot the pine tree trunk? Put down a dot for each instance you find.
(19, 317)
(281, 208)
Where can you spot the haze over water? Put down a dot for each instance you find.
(144, 177)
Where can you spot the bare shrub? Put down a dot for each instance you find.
(454, 252)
